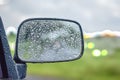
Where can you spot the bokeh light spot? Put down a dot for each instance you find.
(91, 45)
(96, 53)
(104, 52)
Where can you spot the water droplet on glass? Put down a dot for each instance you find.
(48, 40)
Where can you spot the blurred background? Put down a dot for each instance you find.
(100, 20)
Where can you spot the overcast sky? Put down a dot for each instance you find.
(93, 15)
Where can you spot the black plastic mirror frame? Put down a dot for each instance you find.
(18, 60)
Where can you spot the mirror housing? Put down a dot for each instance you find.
(44, 40)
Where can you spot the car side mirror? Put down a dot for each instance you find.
(42, 40)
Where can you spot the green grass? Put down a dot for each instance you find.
(86, 68)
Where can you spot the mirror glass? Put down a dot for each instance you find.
(49, 40)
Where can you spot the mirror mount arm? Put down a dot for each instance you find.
(21, 67)
(22, 70)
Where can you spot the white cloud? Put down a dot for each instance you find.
(112, 5)
(94, 15)
(88, 14)
(103, 2)
(4, 2)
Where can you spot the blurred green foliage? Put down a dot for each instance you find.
(88, 67)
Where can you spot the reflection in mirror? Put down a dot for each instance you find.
(49, 40)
